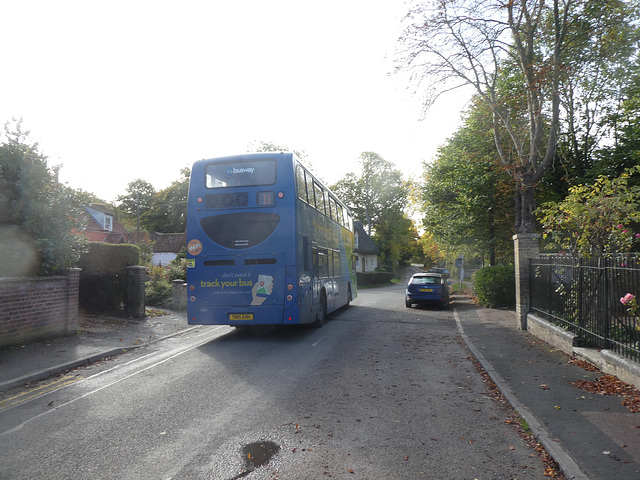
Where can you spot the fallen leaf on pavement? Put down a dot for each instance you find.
(612, 385)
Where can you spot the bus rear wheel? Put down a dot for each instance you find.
(322, 312)
(349, 298)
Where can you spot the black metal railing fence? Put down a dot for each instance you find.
(582, 295)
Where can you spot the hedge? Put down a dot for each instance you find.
(374, 278)
(495, 286)
(108, 258)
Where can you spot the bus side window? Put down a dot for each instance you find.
(319, 197)
(300, 183)
(305, 253)
(310, 194)
(336, 264)
(334, 210)
(340, 214)
(323, 263)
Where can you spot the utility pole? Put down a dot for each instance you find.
(138, 216)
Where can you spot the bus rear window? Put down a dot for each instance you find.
(241, 174)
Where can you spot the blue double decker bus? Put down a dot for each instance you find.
(267, 243)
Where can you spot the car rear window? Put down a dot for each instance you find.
(425, 280)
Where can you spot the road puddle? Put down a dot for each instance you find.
(256, 455)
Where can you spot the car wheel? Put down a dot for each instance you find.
(407, 303)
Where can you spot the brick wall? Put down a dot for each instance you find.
(38, 308)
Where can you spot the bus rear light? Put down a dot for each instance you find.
(289, 297)
(290, 286)
(199, 200)
(192, 288)
(280, 194)
(192, 298)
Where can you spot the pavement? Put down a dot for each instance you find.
(591, 436)
(98, 337)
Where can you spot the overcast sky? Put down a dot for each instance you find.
(119, 90)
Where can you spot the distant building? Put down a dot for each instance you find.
(366, 250)
(166, 246)
(102, 226)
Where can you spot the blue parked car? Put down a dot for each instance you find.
(427, 288)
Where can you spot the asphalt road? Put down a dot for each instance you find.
(380, 392)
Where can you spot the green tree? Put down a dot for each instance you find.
(624, 150)
(168, 210)
(378, 197)
(466, 192)
(595, 219)
(135, 205)
(429, 249)
(40, 230)
(483, 44)
(599, 68)
(377, 189)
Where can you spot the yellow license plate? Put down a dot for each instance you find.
(426, 289)
(241, 316)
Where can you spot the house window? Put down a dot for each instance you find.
(356, 240)
(108, 223)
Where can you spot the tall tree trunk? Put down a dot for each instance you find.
(525, 205)
(492, 238)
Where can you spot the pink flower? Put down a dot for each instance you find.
(637, 235)
(627, 298)
(620, 226)
(625, 231)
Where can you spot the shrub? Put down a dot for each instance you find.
(178, 269)
(158, 291)
(495, 286)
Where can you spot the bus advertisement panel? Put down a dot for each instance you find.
(267, 243)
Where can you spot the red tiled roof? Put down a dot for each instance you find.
(169, 242)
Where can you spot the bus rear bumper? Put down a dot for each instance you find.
(226, 315)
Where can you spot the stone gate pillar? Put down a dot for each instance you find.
(136, 295)
(179, 296)
(526, 246)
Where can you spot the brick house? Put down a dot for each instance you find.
(102, 225)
